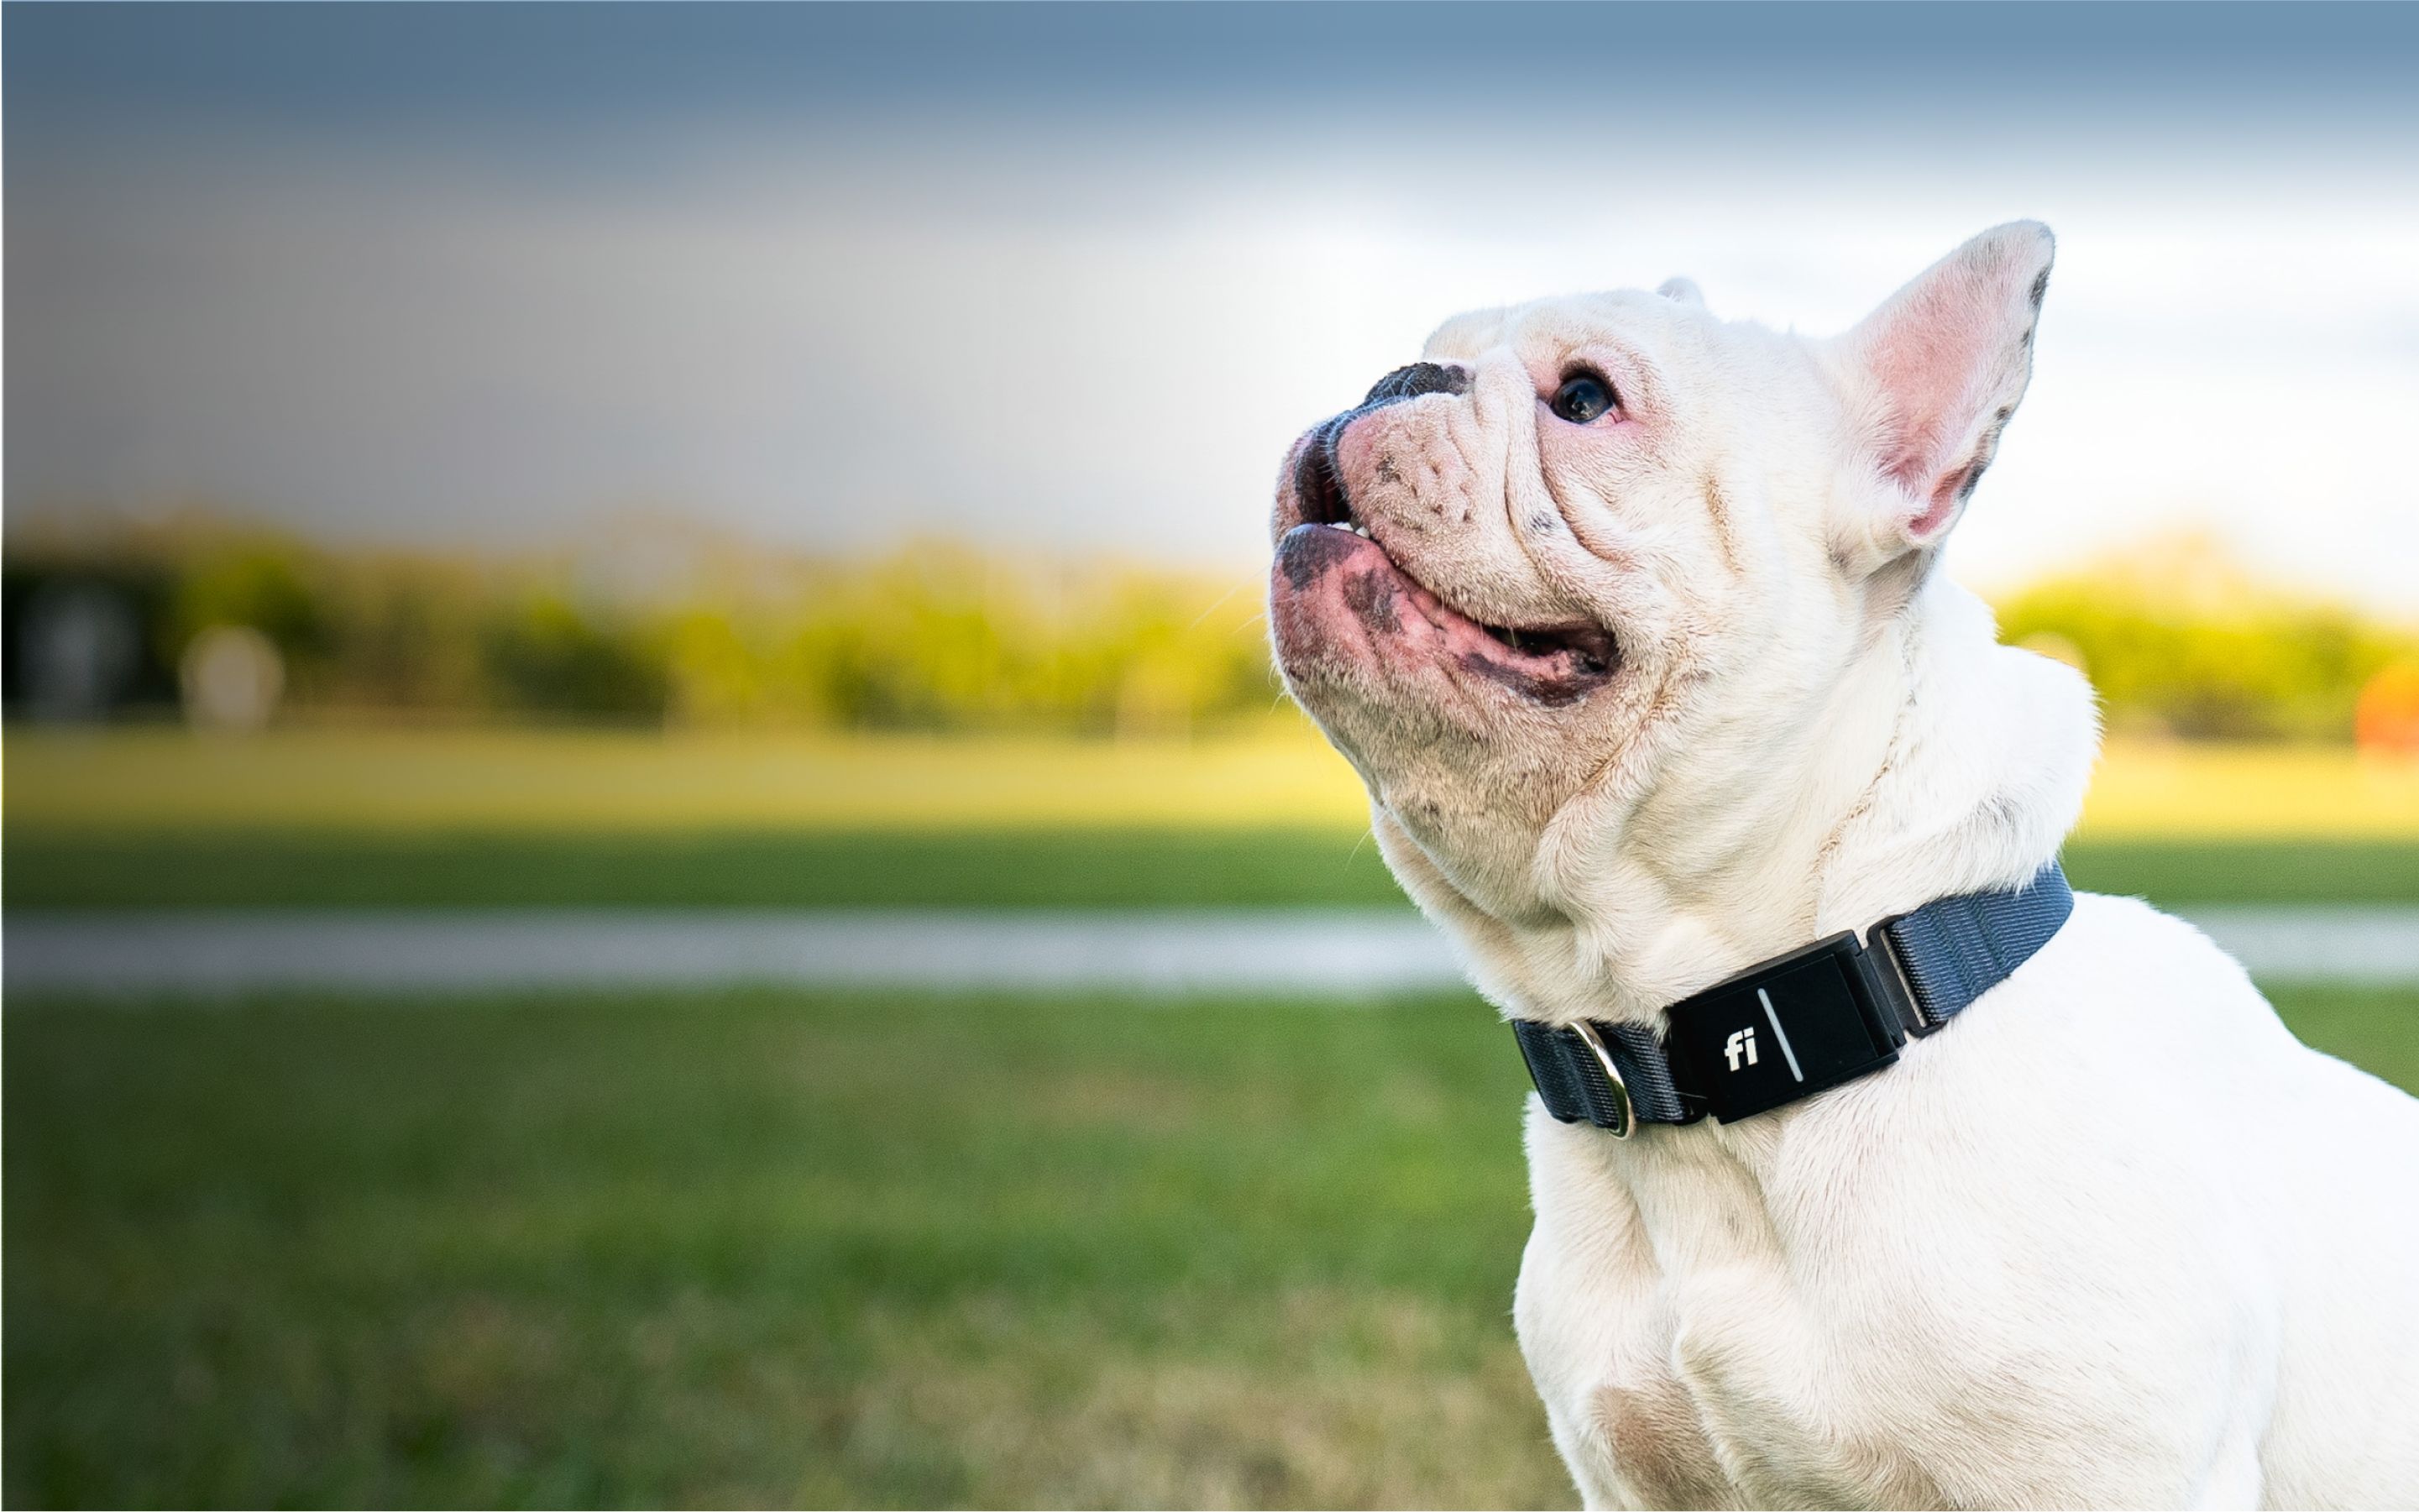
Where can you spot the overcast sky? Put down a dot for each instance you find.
(1073, 277)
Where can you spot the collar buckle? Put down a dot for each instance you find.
(1621, 1119)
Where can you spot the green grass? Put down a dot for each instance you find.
(1016, 869)
(783, 1247)
(2377, 1030)
(1078, 868)
(766, 1248)
(2179, 873)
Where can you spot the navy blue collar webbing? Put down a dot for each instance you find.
(1792, 1025)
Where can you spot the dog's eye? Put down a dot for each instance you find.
(1583, 398)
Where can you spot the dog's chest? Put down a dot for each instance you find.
(1656, 1444)
(1689, 1377)
(1733, 1411)
(1708, 1401)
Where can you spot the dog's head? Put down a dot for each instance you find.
(1606, 562)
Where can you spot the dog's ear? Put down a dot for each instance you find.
(1933, 375)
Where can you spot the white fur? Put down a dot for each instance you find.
(2111, 1238)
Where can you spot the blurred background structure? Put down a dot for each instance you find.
(659, 468)
(649, 624)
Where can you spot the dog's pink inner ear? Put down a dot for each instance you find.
(1948, 356)
(1926, 363)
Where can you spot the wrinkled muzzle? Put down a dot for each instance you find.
(1353, 626)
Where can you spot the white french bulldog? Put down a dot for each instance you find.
(1627, 617)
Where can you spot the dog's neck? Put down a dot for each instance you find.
(1942, 763)
(1983, 776)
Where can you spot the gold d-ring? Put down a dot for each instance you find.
(1625, 1121)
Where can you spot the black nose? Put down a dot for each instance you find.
(1418, 378)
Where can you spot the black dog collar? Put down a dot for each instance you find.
(1797, 1024)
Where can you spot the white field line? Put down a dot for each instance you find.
(1321, 952)
(2377, 947)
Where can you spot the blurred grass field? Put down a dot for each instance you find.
(1281, 775)
(601, 780)
(814, 1248)
(748, 1248)
(487, 818)
(1016, 867)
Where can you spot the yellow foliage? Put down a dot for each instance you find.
(668, 625)
(2180, 639)
(657, 623)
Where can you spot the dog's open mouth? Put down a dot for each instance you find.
(1589, 647)
(1552, 663)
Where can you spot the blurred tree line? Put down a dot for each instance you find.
(649, 624)
(2181, 639)
(666, 624)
